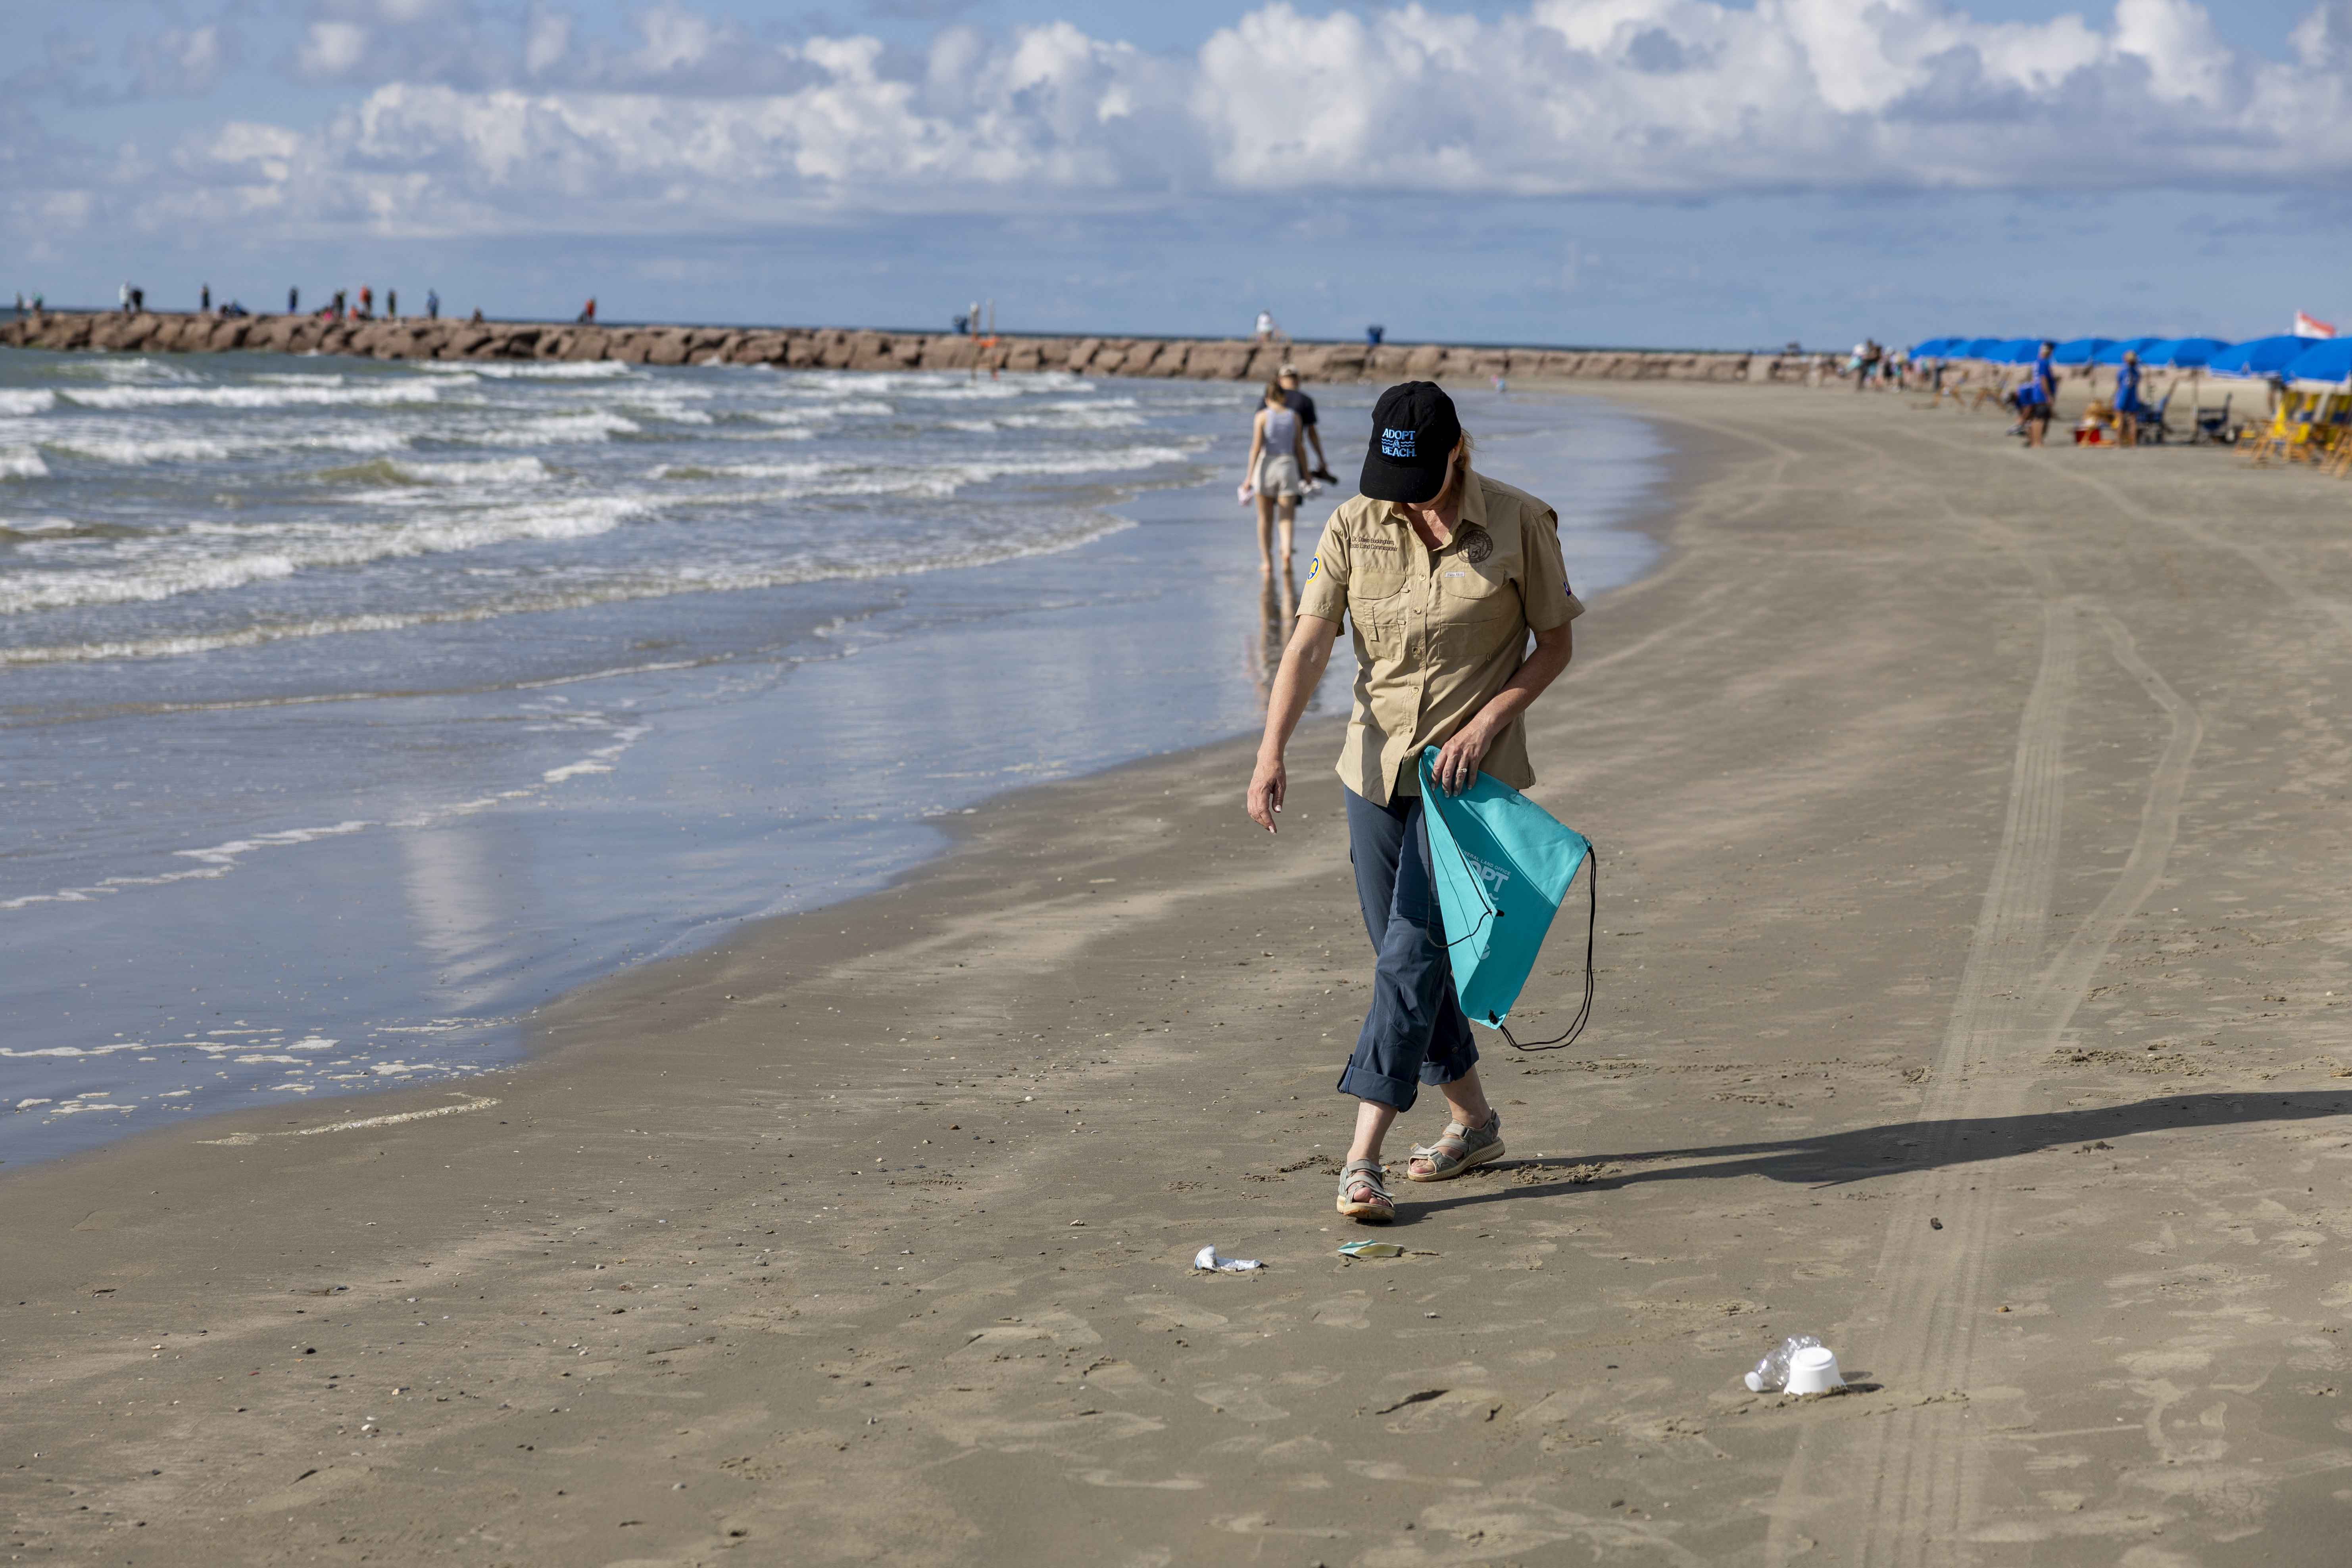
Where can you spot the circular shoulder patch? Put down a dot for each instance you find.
(1476, 545)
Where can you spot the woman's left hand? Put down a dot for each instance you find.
(1458, 759)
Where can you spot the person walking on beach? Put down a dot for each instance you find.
(1443, 573)
(1277, 471)
(2037, 397)
(2128, 407)
(1300, 404)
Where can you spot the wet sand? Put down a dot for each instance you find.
(1973, 827)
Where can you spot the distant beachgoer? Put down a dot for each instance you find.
(1500, 385)
(1372, 336)
(335, 306)
(588, 311)
(1277, 471)
(205, 300)
(294, 301)
(124, 295)
(432, 305)
(137, 300)
(1443, 572)
(1300, 404)
(1266, 327)
(2037, 396)
(2128, 407)
(477, 315)
(367, 302)
(392, 304)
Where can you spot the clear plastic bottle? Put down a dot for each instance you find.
(1771, 1373)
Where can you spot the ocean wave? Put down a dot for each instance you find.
(22, 463)
(23, 400)
(184, 571)
(531, 370)
(965, 551)
(937, 479)
(373, 394)
(592, 426)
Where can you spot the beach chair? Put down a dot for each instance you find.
(2153, 430)
(2211, 425)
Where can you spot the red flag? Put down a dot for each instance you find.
(2307, 326)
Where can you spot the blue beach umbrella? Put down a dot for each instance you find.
(2325, 361)
(1504, 864)
(1978, 348)
(2078, 351)
(2261, 356)
(2185, 352)
(1940, 348)
(2114, 352)
(2017, 350)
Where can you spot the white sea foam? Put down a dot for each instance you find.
(495, 471)
(594, 424)
(23, 400)
(249, 397)
(22, 463)
(278, 552)
(533, 370)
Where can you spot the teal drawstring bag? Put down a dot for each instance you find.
(1504, 865)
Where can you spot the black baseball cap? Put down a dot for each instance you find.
(1414, 431)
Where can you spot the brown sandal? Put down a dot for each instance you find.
(1456, 1150)
(1361, 1196)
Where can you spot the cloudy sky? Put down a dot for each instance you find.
(1622, 172)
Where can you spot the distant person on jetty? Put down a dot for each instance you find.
(1444, 573)
(432, 305)
(1372, 336)
(1277, 471)
(1267, 328)
(392, 304)
(205, 300)
(588, 311)
(294, 301)
(2128, 407)
(2037, 396)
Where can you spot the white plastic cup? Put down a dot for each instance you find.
(1813, 1370)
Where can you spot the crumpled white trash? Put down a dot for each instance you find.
(1207, 1260)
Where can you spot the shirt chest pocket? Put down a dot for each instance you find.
(1382, 609)
(1474, 596)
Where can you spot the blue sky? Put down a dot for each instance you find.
(1608, 172)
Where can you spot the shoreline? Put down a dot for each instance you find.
(1099, 1033)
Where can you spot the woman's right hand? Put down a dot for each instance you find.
(1269, 781)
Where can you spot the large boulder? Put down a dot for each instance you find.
(951, 353)
(586, 345)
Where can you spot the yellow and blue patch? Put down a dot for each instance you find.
(1314, 566)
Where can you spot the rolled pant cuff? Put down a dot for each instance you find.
(1397, 1093)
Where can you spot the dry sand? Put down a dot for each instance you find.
(1974, 943)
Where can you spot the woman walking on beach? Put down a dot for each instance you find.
(1277, 472)
(1444, 572)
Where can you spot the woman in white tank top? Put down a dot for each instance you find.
(1277, 473)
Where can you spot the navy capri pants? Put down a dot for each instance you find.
(1415, 1033)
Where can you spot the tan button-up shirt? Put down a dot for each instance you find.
(1437, 636)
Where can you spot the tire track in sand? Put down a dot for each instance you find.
(1917, 1473)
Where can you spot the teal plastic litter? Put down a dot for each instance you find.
(1504, 867)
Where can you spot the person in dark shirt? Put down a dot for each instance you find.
(1302, 404)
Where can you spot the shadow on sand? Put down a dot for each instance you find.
(1842, 1159)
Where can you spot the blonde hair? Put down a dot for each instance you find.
(1273, 393)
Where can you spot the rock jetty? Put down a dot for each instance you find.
(837, 348)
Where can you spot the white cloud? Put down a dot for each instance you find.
(699, 126)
